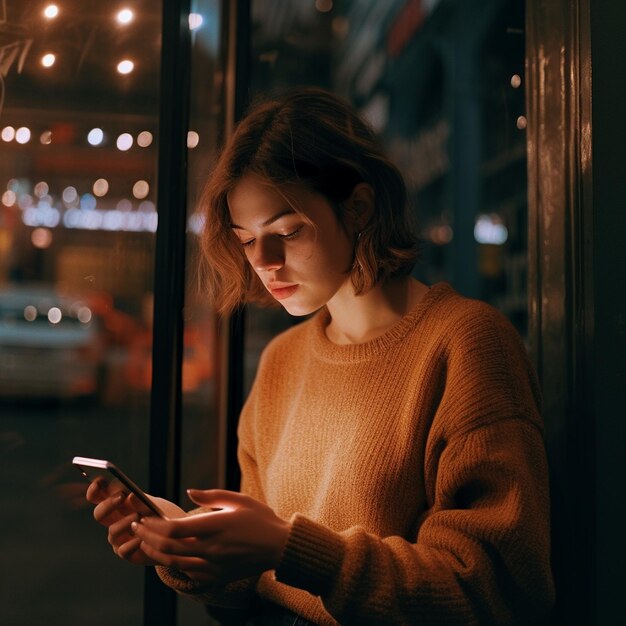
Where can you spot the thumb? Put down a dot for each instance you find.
(214, 498)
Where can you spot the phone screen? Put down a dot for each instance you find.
(114, 478)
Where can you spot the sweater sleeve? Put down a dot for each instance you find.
(236, 595)
(478, 557)
(480, 552)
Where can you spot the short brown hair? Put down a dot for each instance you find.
(312, 138)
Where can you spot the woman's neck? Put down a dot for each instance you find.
(357, 319)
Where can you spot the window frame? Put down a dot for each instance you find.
(165, 454)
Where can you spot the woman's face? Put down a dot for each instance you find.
(302, 257)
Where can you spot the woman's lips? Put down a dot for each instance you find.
(280, 291)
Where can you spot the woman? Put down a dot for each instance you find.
(393, 469)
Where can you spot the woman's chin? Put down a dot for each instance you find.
(299, 309)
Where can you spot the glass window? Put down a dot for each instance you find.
(201, 437)
(79, 95)
(443, 85)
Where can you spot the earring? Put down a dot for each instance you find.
(357, 263)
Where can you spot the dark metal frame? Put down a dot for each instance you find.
(558, 73)
(169, 270)
(232, 330)
(169, 284)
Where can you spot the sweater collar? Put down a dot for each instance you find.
(327, 350)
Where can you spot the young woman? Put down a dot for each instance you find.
(393, 468)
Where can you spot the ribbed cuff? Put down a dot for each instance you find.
(312, 556)
(179, 581)
(236, 595)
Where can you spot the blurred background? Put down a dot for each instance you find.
(83, 101)
(442, 82)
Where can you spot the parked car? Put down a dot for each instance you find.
(50, 344)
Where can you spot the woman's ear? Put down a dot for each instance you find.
(361, 204)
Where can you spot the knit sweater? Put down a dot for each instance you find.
(412, 468)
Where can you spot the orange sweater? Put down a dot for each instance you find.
(412, 468)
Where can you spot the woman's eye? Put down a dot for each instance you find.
(293, 234)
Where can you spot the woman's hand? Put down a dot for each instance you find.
(243, 538)
(116, 511)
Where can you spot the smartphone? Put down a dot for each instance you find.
(114, 478)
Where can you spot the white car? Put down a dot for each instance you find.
(50, 345)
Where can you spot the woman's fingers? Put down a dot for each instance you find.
(176, 561)
(110, 510)
(97, 491)
(166, 545)
(117, 511)
(169, 509)
(132, 551)
(243, 538)
(216, 498)
(138, 505)
(129, 548)
(120, 531)
(200, 525)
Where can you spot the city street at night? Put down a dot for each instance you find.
(57, 565)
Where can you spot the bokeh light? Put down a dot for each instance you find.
(95, 136)
(70, 195)
(30, 313)
(47, 60)
(195, 21)
(147, 206)
(125, 16)
(55, 315)
(41, 238)
(9, 198)
(22, 135)
(101, 187)
(192, 139)
(141, 189)
(125, 67)
(51, 11)
(84, 314)
(124, 142)
(88, 202)
(41, 189)
(144, 139)
(8, 133)
(489, 229)
(324, 6)
(25, 201)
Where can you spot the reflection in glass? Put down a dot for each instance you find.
(76, 258)
(201, 455)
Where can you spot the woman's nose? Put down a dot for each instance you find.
(268, 255)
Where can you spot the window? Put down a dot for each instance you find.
(80, 96)
(82, 168)
(78, 175)
(443, 85)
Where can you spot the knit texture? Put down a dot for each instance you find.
(412, 468)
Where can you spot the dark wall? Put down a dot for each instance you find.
(608, 47)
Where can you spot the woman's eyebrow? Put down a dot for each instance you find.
(271, 220)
